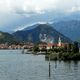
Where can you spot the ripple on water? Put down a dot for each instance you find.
(17, 66)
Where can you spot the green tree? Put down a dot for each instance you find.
(75, 47)
(35, 49)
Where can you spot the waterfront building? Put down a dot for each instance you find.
(42, 45)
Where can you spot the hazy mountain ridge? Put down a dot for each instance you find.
(70, 28)
(7, 38)
(33, 34)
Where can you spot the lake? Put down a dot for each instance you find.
(17, 66)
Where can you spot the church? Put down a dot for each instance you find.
(47, 42)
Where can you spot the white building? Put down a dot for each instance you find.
(59, 42)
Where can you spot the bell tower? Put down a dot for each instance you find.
(59, 42)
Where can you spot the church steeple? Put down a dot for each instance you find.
(59, 42)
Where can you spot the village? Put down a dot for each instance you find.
(42, 46)
(30, 45)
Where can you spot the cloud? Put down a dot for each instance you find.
(21, 27)
(27, 6)
(30, 7)
(14, 13)
(5, 5)
(74, 9)
(33, 7)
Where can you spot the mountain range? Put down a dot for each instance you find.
(7, 38)
(40, 32)
(68, 30)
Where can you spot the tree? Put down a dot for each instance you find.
(69, 47)
(36, 49)
(75, 47)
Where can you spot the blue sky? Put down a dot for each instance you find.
(17, 14)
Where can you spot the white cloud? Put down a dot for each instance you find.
(27, 6)
(37, 6)
(5, 5)
(74, 9)
(14, 13)
(25, 26)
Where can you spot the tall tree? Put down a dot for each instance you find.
(75, 47)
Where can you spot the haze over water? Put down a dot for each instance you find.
(17, 66)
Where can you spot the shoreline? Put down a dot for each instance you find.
(59, 56)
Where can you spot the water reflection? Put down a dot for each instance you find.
(71, 65)
(16, 66)
(76, 65)
(55, 64)
(65, 70)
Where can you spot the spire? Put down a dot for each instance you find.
(59, 42)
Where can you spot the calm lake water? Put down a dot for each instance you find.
(17, 66)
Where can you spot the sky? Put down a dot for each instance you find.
(18, 14)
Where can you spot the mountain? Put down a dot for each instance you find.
(6, 38)
(30, 27)
(40, 32)
(70, 28)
